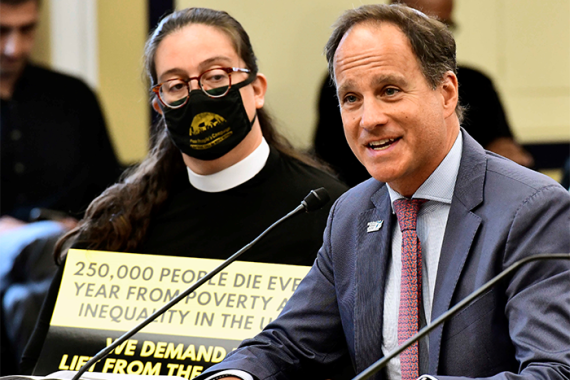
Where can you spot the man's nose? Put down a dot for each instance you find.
(13, 45)
(373, 114)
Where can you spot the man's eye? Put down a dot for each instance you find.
(391, 91)
(28, 29)
(349, 99)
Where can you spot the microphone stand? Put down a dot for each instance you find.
(381, 363)
(315, 200)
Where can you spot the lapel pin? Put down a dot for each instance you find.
(374, 226)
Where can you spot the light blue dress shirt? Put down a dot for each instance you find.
(432, 219)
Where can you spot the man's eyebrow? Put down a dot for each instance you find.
(345, 87)
(31, 25)
(28, 26)
(389, 79)
(377, 80)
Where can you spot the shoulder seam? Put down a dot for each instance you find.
(518, 180)
(522, 204)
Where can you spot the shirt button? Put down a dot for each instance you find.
(16, 135)
(19, 168)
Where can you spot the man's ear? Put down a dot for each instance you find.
(450, 93)
(259, 89)
(156, 106)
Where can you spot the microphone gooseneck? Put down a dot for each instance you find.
(313, 201)
(381, 363)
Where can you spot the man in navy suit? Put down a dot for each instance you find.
(394, 70)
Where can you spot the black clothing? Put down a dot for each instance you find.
(215, 225)
(330, 141)
(565, 181)
(194, 223)
(56, 153)
(484, 120)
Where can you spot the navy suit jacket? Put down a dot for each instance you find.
(500, 213)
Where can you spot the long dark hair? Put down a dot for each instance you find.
(118, 219)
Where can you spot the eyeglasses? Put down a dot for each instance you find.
(215, 83)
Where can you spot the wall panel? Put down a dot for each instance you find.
(122, 33)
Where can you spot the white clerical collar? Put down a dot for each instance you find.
(440, 184)
(233, 176)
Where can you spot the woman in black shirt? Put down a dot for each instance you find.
(218, 172)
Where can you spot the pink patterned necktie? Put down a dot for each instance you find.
(410, 285)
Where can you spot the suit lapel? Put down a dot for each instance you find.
(372, 252)
(462, 225)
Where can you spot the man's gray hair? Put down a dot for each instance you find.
(432, 43)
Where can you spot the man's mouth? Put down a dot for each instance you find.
(9, 67)
(382, 144)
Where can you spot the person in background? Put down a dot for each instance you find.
(565, 181)
(484, 118)
(56, 157)
(218, 173)
(439, 219)
(56, 152)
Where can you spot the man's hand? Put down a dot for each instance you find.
(8, 223)
(69, 223)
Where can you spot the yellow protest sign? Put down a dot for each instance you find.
(104, 294)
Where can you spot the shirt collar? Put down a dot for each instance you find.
(233, 176)
(440, 184)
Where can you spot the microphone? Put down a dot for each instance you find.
(312, 202)
(381, 363)
(316, 199)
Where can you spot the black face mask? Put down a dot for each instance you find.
(207, 128)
